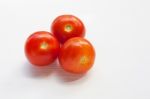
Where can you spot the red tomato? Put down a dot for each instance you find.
(67, 26)
(41, 48)
(77, 55)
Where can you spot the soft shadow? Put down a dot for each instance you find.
(38, 72)
(46, 71)
(64, 76)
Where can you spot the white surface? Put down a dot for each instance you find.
(119, 30)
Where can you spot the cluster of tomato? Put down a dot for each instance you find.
(75, 54)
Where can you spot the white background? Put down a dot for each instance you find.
(118, 29)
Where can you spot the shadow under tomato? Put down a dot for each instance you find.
(66, 76)
(38, 72)
(46, 71)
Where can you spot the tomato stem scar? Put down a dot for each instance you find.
(44, 45)
(84, 60)
(68, 28)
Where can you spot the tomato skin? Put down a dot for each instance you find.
(77, 55)
(65, 27)
(41, 48)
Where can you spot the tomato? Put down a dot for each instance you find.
(77, 55)
(41, 48)
(65, 27)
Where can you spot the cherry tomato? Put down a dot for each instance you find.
(41, 48)
(65, 27)
(77, 55)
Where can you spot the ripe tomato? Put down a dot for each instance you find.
(65, 27)
(77, 55)
(41, 48)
